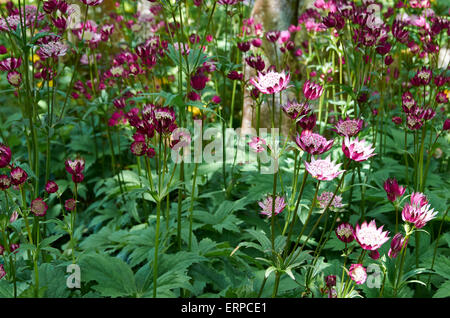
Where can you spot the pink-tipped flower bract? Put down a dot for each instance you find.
(271, 82)
(5, 155)
(312, 90)
(18, 176)
(257, 144)
(323, 169)
(313, 143)
(267, 205)
(358, 273)
(39, 207)
(396, 245)
(325, 197)
(357, 150)
(393, 190)
(345, 232)
(348, 127)
(418, 212)
(369, 237)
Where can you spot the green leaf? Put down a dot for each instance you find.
(443, 291)
(114, 277)
(53, 278)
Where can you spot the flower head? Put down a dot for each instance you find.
(313, 143)
(5, 182)
(418, 212)
(267, 205)
(18, 176)
(323, 169)
(344, 232)
(330, 281)
(70, 204)
(294, 109)
(2, 271)
(51, 187)
(92, 2)
(349, 127)
(164, 120)
(369, 236)
(257, 144)
(325, 197)
(358, 273)
(5, 155)
(308, 122)
(396, 245)
(422, 77)
(393, 190)
(39, 207)
(271, 82)
(75, 166)
(52, 49)
(312, 90)
(357, 150)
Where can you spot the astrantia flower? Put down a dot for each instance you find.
(5, 155)
(10, 64)
(18, 176)
(418, 213)
(396, 245)
(78, 177)
(164, 120)
(374, 254)
(308, 122)
(267, 205)
(422, 77)
(39, 207)
(312, 90)
(257, 144)
(414, 122)
(358, 273)
(138, 148)
(70, 204)
(441, 98)
(256, 62)
(2, 271)
(330, 281)
(344, 232)
(357, 150)
(313, 143)
(325, 197)
(75, 166)
(393, 190)
(408, 102)
(52, 49)
(14, 247)
(446, 125)
(14, 78)
(272, 82)
(199, 81)
(349, 127)
(92, 2)
(51, 187)
(369, 237)
(323, 169)
(5, 182)
(294, 109)
(227, 2)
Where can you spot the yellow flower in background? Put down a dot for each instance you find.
(34, 58)
(39, 84)
(194, 110)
